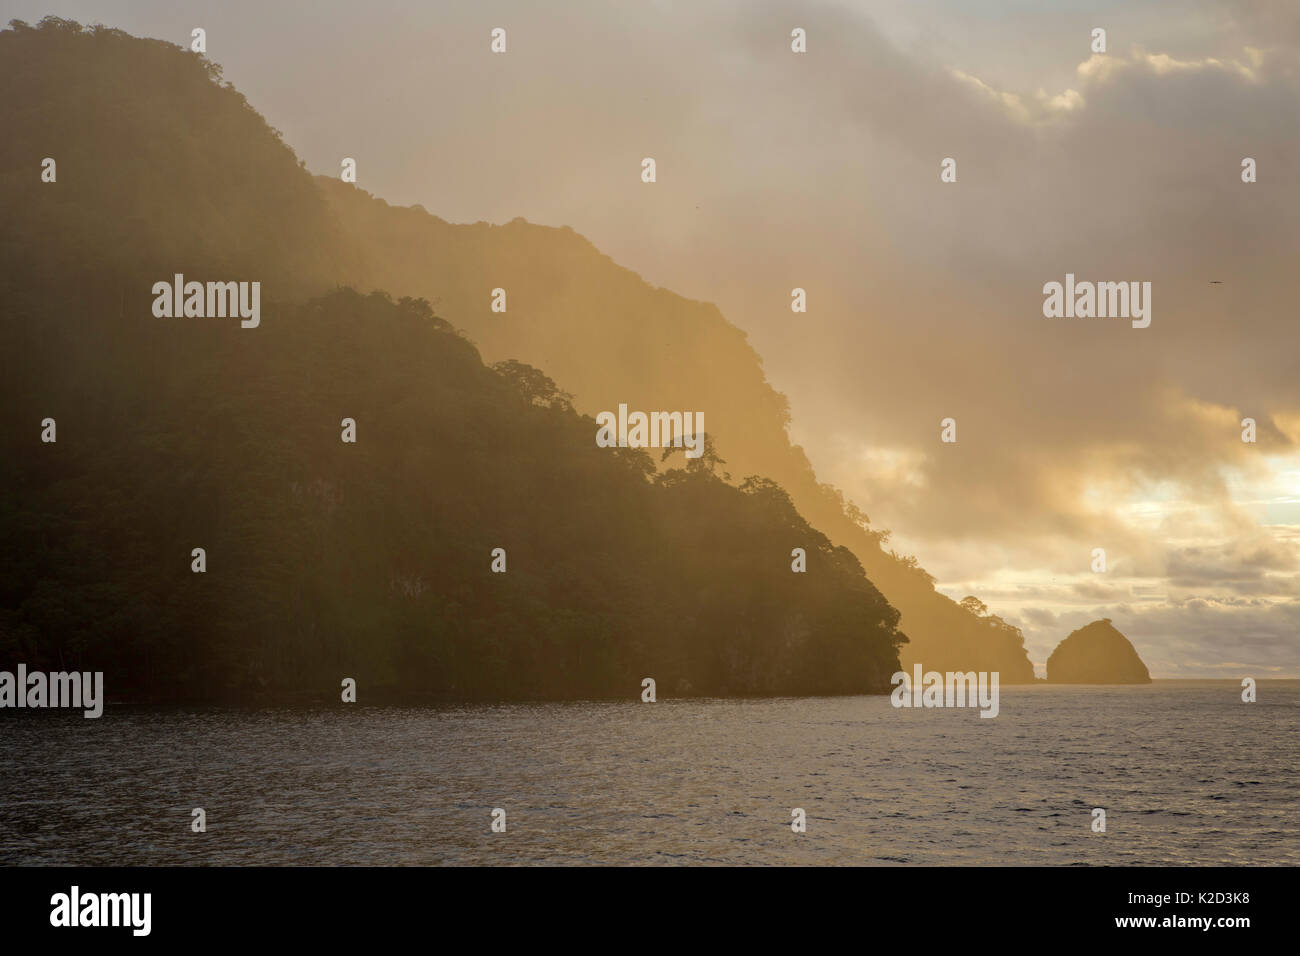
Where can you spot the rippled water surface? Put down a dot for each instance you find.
(1186, 772)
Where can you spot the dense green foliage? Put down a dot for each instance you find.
(324, 559)
(372, 560)
(162, 166)
(158, 162)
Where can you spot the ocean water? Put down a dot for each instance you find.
(1186, 772)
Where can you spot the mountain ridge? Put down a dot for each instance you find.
(304, 234)
(413, 252)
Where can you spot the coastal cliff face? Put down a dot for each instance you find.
(1096, 654)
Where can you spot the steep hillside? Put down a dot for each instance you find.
(323, 558)
(157, 164)
(163, 169)
(610, 337)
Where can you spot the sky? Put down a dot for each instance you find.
(821, 171)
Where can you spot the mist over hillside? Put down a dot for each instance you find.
(610, 337)
(232, 435)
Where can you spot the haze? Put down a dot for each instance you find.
(925, 299)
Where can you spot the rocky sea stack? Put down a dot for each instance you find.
(1096, 654)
